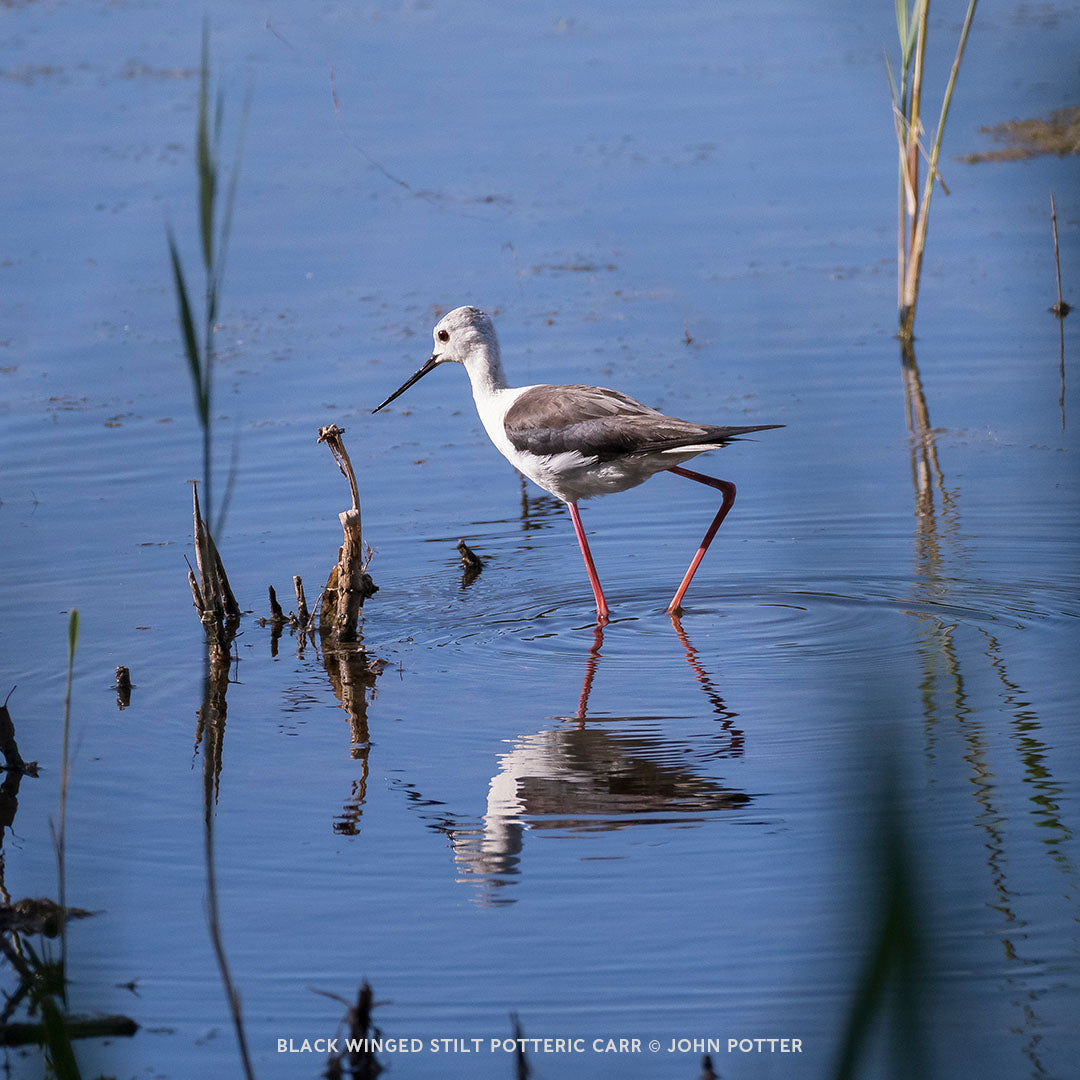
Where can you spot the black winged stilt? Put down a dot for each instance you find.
(577, 441)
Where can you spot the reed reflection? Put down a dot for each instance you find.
(947, 709)
(926, 473)
(210, 720)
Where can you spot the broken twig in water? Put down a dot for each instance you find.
(75, 1027)
(277, 615)
(472, 563)
(303, 616)
(122, 686)
(212, 594)
(1060, 309)
(296, 620)
(359, 1059)
(8, 746)
(15, 769)
(349, 584)
(331, 435)
(469, 559)
(37, 915)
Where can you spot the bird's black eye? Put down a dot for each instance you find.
(444, 335)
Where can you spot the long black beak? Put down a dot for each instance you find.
(429, 366)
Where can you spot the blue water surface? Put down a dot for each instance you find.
(661, 831)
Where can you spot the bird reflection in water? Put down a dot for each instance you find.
(581, 777)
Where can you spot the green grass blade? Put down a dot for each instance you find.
(947, 98)
(206, 167)
(211, 318)
(187, 328)
(907, 26)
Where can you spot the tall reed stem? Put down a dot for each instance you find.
(201, 354)
(914, 206)
(199, 347)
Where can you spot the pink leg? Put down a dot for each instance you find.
(602, 612)
(728, 490)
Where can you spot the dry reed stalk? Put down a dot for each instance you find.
(914, 207)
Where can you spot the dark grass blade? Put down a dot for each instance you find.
(187, 328)
(207, 168)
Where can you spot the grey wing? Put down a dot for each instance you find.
(592, 421)
(600, 423)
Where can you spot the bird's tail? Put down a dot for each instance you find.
(710, 437)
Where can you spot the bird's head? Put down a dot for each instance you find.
(461, 335)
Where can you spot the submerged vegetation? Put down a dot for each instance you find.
(1057, 134)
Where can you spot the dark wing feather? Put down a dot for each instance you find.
(720, 436)
(601, 423)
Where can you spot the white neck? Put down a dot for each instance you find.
(485, 369)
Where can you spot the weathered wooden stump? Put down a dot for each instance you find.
(349, 583)
(213, 596)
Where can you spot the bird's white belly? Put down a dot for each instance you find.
(572, 477)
